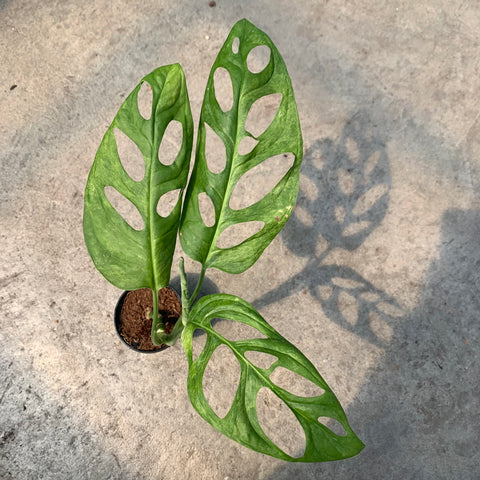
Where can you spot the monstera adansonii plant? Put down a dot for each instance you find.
(132, 258)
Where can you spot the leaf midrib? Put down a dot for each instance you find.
(265, 379)
(151, 206)
(258, 371)
(216, 233)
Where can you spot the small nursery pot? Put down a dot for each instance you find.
(132, 320)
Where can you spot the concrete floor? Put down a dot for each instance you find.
(388, 310)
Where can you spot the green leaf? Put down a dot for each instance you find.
(128, 258)
(283, 136)
(241, 423)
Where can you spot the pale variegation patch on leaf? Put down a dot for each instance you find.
(254, 82)
(241, 422)
(133, 210)
(127, 257)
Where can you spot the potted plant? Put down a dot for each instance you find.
(139, 258)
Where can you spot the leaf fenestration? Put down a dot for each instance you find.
(281, 136)
(125, 208)
(241, 423)
(127, 258)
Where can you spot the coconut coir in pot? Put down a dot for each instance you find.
(135, 322)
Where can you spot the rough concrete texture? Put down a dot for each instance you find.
(375, 278)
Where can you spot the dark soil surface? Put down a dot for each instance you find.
(135, 323)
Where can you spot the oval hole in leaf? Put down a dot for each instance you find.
(381, 329)
(334, 425)
(346, 283)
(220, 380)
(167, 202)
(348, 306)
(171, 143)
(369, 198)
(352, 149)
(235, 330)
(294, 383)
(144, 101)
(223, 88)
(390, 309)
(130, 156)
(247, 144)
(317, 159)
(262, 113)
(370, 296)
(279, 423)
(346, 181)
(260, 180)
(304, 216)
(238, 233)
(355, 228)
(215, 151)
(258, 58)
(260, 359)
(372, 162)
(235, 45)
(324, 292)
(340, 213)
(125, 208)
(199, 339)
(308, 187)
(207, 209)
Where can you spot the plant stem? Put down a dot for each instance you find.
(185, 295)
(158, 333)
(155, 320)
(199, 285)
(171, 339)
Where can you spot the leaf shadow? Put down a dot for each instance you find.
(424, 385)
(345, 189)
(355, 304)
(344, 196)
(347, 299)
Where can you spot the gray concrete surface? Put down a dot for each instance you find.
(388, 310)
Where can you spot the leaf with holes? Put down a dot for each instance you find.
(280, 135)
(126, 257)
(133, 210)
(241, 422)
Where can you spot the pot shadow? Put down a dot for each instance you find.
(344, 196)
(418, 412)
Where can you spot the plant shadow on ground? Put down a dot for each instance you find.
(343, 199)
(419, 409)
